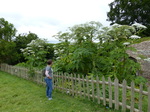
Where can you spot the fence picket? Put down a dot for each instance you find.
(87, 84)
(62, 82)
(116, 94)
(148, 110)
(140, 98)
(75, 76)
(72, 85)
(132, 97)
(65, 83)
(79, 91)
(98, 90)
(92, 82)
(83, 85)
(110, 92)
(57, 80)
(124, 96)
(104, 93)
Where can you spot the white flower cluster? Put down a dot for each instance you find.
(126, 43)
(138, 58)
(139, 26)
(31, 43)
(22, 50)
(134, 37)
(116, 25)
(148, 59)
(58, 51)
(112, 27)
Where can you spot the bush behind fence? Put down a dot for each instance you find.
(109, 93)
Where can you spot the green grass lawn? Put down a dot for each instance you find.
(19, 95)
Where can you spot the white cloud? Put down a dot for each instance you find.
(47, 17)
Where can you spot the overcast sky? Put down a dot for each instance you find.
(47, 17)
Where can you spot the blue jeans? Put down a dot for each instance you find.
(49, 87)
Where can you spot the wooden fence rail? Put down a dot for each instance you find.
(105, 91)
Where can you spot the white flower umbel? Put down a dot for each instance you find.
(134, 37)
(21, 50)
(148, 59)
(138, 58)
(57, 58)
(126, 43)
(116, 25)
(112, 27)
(139, 26)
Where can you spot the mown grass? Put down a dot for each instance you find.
(19, 95)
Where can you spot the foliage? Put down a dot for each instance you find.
(140, 40)
(87, 49)
(35, 53)
(115, 62)
(23, 39)
(92, 49)
(31, 72)
(76, 57)
(7, 30)
(140, 80)
(130, 11)
(8, 52)
(21, 42)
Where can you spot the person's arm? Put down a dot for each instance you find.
(47, 75)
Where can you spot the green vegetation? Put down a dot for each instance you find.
(141, 40)
(85, 49)
(127, 12)
(19, 95)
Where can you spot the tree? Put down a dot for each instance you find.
(7, 30)
(36, 52)
(8, 53)
(77, 48)
(94, 50)
(127, 12)
(23, 39)
(21, 42)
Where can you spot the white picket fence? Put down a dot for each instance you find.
(109, 93)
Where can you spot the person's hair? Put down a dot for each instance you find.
(49, 62)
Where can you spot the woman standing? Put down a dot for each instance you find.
(48, 79)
